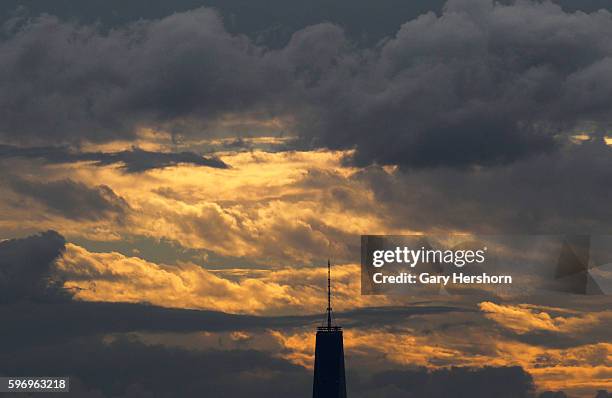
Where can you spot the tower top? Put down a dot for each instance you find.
(329, 326)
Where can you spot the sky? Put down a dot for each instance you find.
(175, 177)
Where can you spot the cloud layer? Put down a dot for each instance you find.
(132, 160)
(26, 268)
(480, 84)
(485, 117)
(561, 348)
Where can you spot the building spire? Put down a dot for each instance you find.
(329, 307)
(329, 325)
(329, 379)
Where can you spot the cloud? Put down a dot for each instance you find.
(113, 277)
(266, 209)
(138, 160)
(555, 193)
(71, 199)
(132, 161)
(65, 321)
(552, 394)
(503, 382)
(287, 208)
(140, 370)
(482, 83)
(169, 71)
(26, 268)
(446, 339)
(523, 319)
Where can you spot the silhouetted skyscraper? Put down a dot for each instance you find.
(329, 381)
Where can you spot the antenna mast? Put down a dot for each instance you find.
(329, 307)
(329, 378)
(329, 327)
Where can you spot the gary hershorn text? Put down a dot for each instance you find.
(455, 278)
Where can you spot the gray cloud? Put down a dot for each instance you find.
(139, 370)
(271, 22)
(503, 382)
(97, 86)
(129, 368)
(26, 272)
(72, 199)
(553, 394)
(555, 193)
(67, 320)
(132, 161)
(480, 84)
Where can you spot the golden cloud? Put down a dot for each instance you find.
(114, 277)
(284, 208)
(577, 370)
(526, 318)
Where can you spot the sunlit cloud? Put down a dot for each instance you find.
(281, 208)
(524, 318)
(571, 369)
(116, 278)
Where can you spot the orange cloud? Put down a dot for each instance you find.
(284, 208)
(577, 370)
(524, 318)
(117, 278)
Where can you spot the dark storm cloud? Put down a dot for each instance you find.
(137, 160)
(372, 317)
(271, 22)
(82, 84)
(72, 199)
(267, 21)
(502, 382)
(26, 269)
(132, 161)
(128, 368)
(67, 320)
(480, 84)
(553, 394)
(557, 193)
